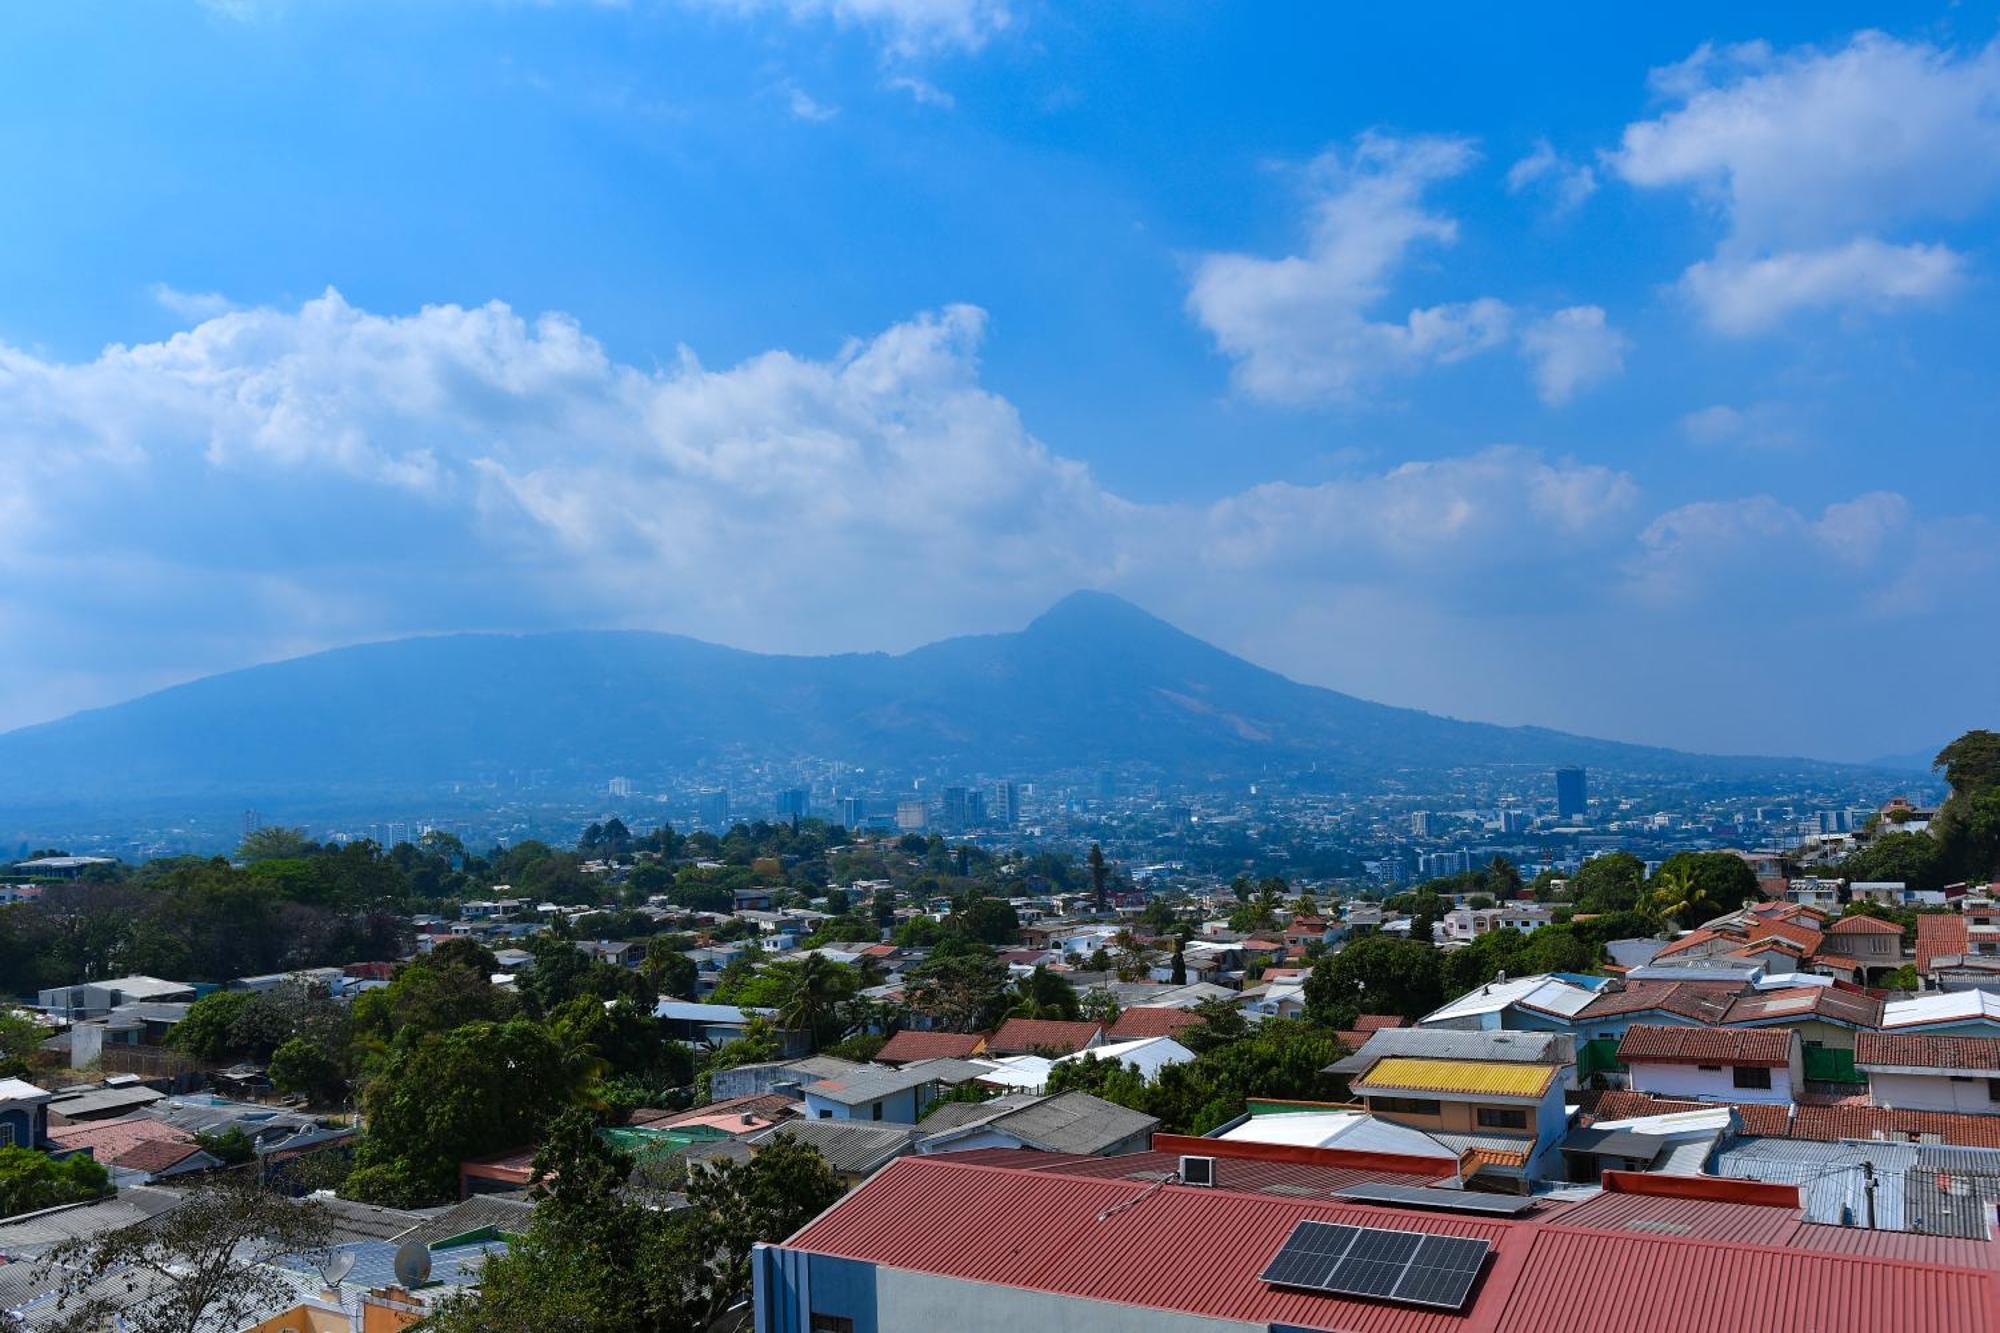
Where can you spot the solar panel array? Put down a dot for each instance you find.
(1407, 1266)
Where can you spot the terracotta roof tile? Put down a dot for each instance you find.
(1864, 925)
(909, 1045)
(1921, 1050)
(1152, 1021)
(1035, 1036)
(1940, 934)
(1706, 1046)
(1704, 1001)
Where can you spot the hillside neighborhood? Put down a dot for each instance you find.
(965, 1091)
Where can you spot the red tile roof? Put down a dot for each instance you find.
(1037, 1036)
(1655, 1043)
(1940, 934)
(1864, 925)
(1820, 1124)
(1703, 1001)
(154, 1155)
(1377, 1022)
(908, 1045)
(109, 1139)
(1152, 1021)
(1921, 1050)
(1792, 932)
(1130, 1242)
(1692, 940)
(1794, 1003)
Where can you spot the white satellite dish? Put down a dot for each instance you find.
(413, 1264)
(338, 1265)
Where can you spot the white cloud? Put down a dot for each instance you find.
(805, 107)
(907, 28)
(1301, 328)
(1815, 161)
(1752, 296)
(922, 91)
(190, 305)
(1572, 349)
(1759, 426)
(273, 481)
(1568, 184)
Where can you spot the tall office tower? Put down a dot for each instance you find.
(711, 810)
(1420, 823)
(1513, 821)
(853, 810)
(912, 816)
(1010, 803)
(975, 808)
(1107, 786)
(1572, 799)
(954, 808)
(619, 787)
(794, 803)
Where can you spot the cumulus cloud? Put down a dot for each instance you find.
(1716, 550)
(1567, 184)
(272, 481)
(1302, 328)
(1572, 349)
(805, 107)
(1758, 426)
(922, 91)
(1818, 164)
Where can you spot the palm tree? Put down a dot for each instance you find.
(813, 990)
(1679, 895)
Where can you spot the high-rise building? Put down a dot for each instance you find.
(912, 816)
(1107, 785)
(794, 803)
(711, 810)
(1572, 796)
(619, 787)
(975, 808)
(1009, 794)
(1513, 821)
(853, 810)
(1420, 823)
(955, 808)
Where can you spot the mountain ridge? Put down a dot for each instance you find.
(1094, 681)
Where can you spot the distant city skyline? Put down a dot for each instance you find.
(1627, 378)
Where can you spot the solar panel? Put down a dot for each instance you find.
(1449, 1201)
(1407, 1266)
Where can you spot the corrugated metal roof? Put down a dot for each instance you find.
(1477, 1078)
(1700, 1219)
(1556, 1048)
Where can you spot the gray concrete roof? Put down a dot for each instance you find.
(850, 1148)
(1072, 1122)
(1535, 1048)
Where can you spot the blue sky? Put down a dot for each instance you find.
(1626, 375)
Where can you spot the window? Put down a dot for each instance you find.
(825, 1114)
(1502, 1117)
(7, 1139)
(1993, 1089)
(1752, 1076)
(831, 1323)
(874, 1110)
(1405, 1105)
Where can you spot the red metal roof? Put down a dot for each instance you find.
(1248, 1175)
(907, 1046)
(1922, 1050)
(1035, 1036)
(1706, 1046)
(1377, 1022)
(1737, 1267)
(1152, 1021)
(1836, 1004)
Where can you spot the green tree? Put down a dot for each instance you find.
(962, 993)
(20, 1037)
(1915, 859)
(1045, 994)
(1098, 872)
(813, 991)
(309, 1069)
(272, 844)
(1377, 974)
(1610, 883)
(442, 1098)
(208, 1030)
(31, 1180)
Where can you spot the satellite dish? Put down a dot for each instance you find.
(338, 1265)
(413, 1264)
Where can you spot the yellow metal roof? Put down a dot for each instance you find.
(1472, 1077)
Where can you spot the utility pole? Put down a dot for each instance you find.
(1868, 1185)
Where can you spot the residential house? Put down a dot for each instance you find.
(873, 1093)
(854, 1151)
(1506, 1118)
(24, 1114)
(1148, 1055)
(1150, 1021)
(1826, 1017)
(1815, 892)
(1464, 924)
(987, 1247)
(1969, 1013)
(1044, 1036)
(1714, 1064)
(1866, 944)
(1547, 1002)
(714, 1024)
(1928, 1072)
(910, 1045)
(1068, 1122)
